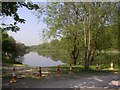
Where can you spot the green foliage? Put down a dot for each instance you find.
(82, 25)
(10, 9)
(108, 38)
(8, 43)
(104, 58)
(10, 49)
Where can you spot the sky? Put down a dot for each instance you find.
(31, 32)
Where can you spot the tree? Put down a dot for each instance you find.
(62, 25)
(80, 25)
(10, 49)
(10, 9)
(8, 46)
(98, 16)
(20, 49)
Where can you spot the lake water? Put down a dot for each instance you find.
(33, 59)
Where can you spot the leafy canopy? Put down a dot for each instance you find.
(10, 9)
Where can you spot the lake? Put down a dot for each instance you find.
(33, 59)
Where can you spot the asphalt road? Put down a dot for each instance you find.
(66, 81)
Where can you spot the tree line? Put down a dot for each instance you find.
(11, 50)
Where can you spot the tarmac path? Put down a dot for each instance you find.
(66, 81)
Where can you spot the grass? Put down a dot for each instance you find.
(79, 70)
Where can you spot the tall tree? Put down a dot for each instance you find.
(98, 17)
(63, 21)
(80, 25)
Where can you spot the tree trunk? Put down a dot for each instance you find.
(85, 59)
(89, 55)
(73, 58)
(88, 45)
(92, 58)
(75, 52)
(75, 61)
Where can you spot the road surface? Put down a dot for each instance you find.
(66, 81)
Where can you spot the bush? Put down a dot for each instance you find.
(103, 66)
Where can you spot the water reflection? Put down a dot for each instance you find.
(33, 59)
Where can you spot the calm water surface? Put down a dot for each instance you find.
(33, 59)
